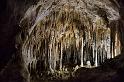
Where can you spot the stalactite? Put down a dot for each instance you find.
(115, 44)
(61, 53)
(54, 59)
(109, 44)
(31, 55)
(50, 61)
(82, 54)
(96, 56)
(112, 41)
(93, 47)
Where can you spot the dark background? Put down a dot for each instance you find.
(11, 11)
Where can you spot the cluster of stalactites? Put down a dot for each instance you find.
(65, 37)
(115, 39)
(52, 37)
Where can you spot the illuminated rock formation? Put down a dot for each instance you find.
(66, 33)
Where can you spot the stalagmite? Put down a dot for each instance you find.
(82, 54)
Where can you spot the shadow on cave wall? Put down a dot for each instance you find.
(10, 14)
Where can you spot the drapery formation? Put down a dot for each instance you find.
(66, 35)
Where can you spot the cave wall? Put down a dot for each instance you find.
(10, 16)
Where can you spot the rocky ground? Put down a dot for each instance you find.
(111, 71)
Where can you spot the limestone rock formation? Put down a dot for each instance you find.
(65, 33)
(68, 40)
